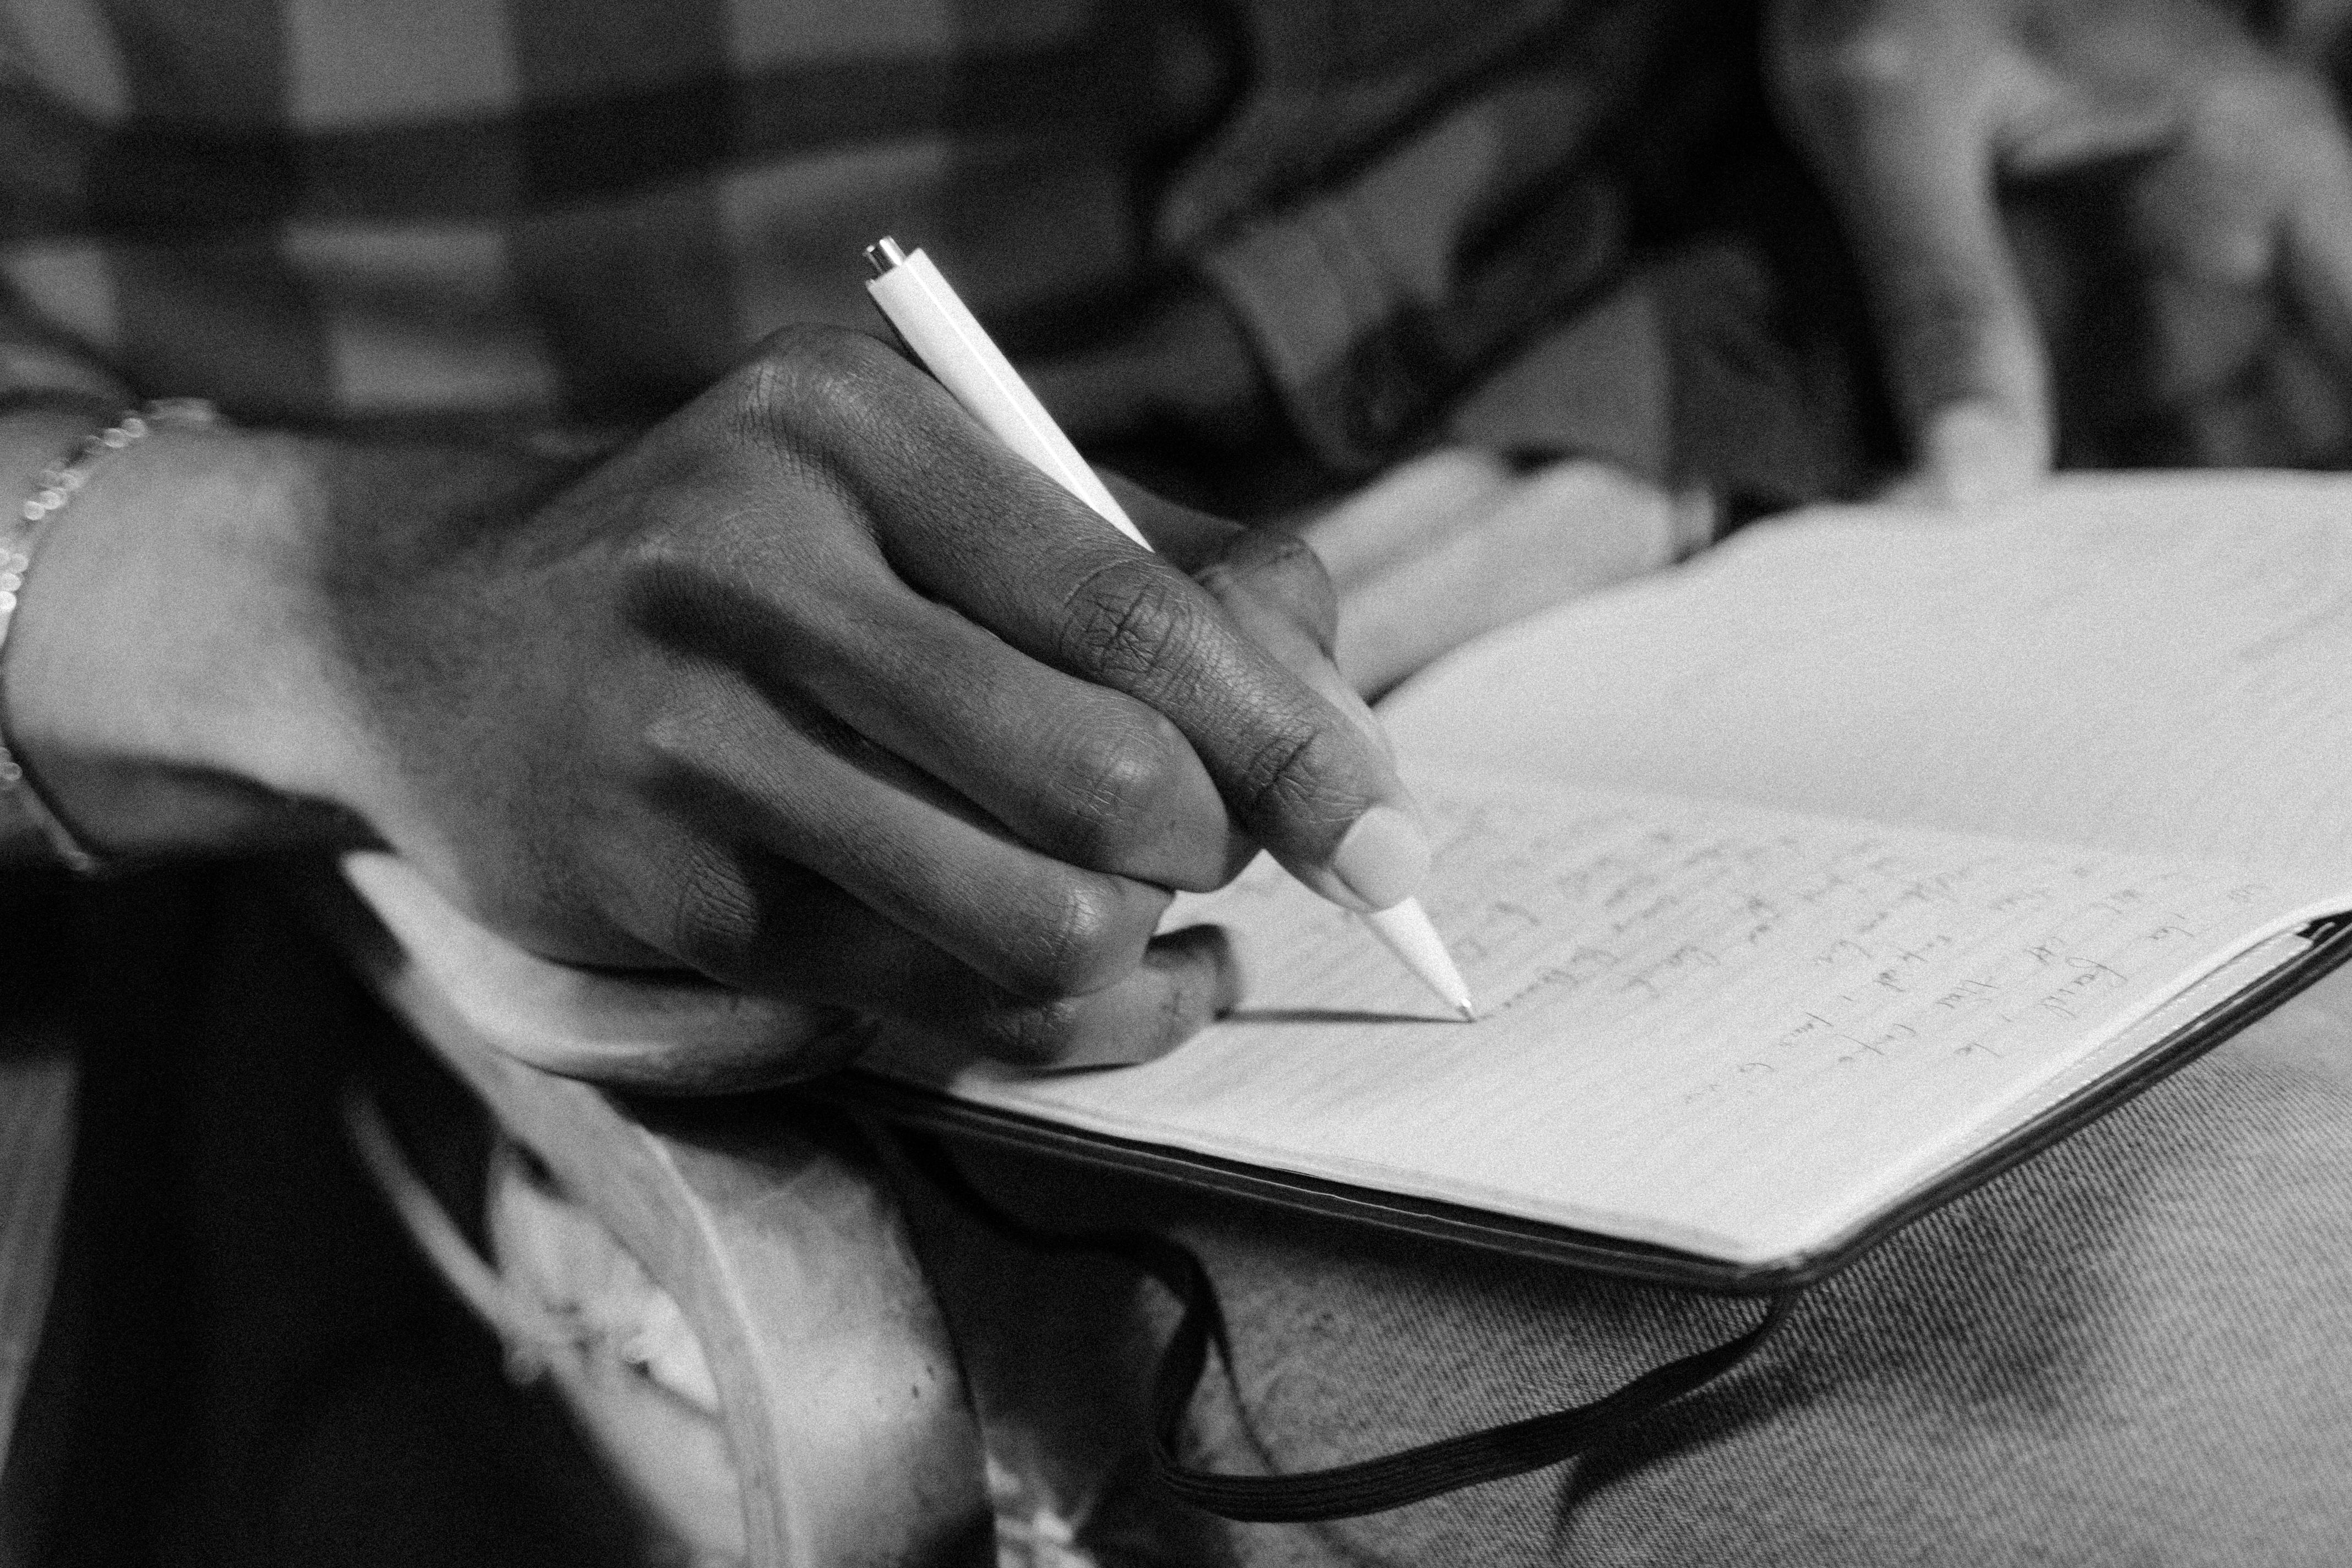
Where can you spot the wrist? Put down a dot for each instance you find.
(178, 678)
(153, 681)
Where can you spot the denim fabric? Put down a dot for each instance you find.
(2136, 1349)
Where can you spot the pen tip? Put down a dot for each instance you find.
(1469, 1014)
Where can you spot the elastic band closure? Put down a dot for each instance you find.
(1343, 1491)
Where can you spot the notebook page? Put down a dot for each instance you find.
(1716, 1027)
(2154, 663)
(2178, 1013)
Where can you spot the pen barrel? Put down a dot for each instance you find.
(949, 340)
(956, 349)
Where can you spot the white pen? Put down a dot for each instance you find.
(958, 351)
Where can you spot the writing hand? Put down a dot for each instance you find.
(822, 692)
(818, 691)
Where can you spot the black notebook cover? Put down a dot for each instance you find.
(892, 1101)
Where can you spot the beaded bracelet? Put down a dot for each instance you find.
(53, 487)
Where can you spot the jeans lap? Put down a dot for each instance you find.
(2137, 1348)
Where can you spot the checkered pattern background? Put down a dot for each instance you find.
(587, 207)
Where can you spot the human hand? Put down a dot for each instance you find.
(2232, 183)
(877, 716)
(1457, 543)
(1443, 549)
(819, 691)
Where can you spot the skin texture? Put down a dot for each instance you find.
(2142, 185)
(815, 690)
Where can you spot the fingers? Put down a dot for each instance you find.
(812, 793)
(1270, 582)
(1566, 529)
(1186, 536)
(1275, 588)
(1301, 777)
(967, 523)
(1408, 512)
(772, 929)
(938, 697)
(1085, 775)
(1897, 124)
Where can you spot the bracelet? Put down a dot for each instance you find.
(53, 487)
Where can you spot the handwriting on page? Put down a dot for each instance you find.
(1782, 1013)
(1821, 947)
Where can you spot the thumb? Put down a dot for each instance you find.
(1272, 585)
(1273, 590)
(1276, 590)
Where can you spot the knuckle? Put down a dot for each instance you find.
(672, 583)
(1080, 943)
(1285, 778)
(813, 374)
(816, 355)
(1125, 621)
(672, 738)
(1120, 781)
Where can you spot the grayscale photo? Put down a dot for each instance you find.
(1175, 784)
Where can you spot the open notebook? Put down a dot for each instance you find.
(1799, 887)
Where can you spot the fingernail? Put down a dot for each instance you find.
(1982, 456)
(1383, 857)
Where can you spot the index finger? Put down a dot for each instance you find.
(1300, 775)
(969, 523)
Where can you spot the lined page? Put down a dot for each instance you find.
(2156, 663)
(1723, 1028)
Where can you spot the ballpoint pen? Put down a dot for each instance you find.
(951, 343)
